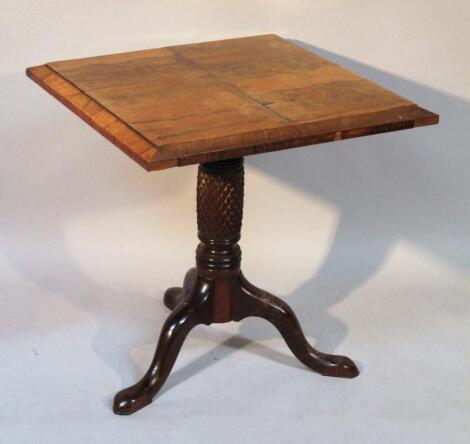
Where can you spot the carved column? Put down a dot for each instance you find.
(219, 217)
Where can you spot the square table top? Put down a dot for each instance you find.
(218, 100)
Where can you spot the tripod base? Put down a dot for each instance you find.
(216, 290)
(203, 300)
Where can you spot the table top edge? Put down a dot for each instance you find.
(154, 157)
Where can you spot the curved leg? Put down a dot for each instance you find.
(187, 315)
(174, 295)
(257, 302)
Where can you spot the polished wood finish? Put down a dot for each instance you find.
(216, 290)
(106, 123)
(213, 103)
(218, 100)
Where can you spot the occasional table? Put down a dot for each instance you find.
(212, 104)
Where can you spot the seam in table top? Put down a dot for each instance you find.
(158, 147)
(232, 88)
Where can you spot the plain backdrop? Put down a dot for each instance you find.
(367, 239)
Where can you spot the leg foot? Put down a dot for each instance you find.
(187, 315)
(174, 295)
(257, 302)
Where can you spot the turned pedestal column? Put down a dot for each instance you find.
(217, 291)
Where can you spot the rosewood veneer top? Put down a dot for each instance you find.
(204, 102)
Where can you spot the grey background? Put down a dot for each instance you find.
(367, 239)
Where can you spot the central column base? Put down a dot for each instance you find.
(216, 291)
(245, 300)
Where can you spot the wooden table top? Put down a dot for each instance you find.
(204, 102)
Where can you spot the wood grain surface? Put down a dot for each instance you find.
(218, 100)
